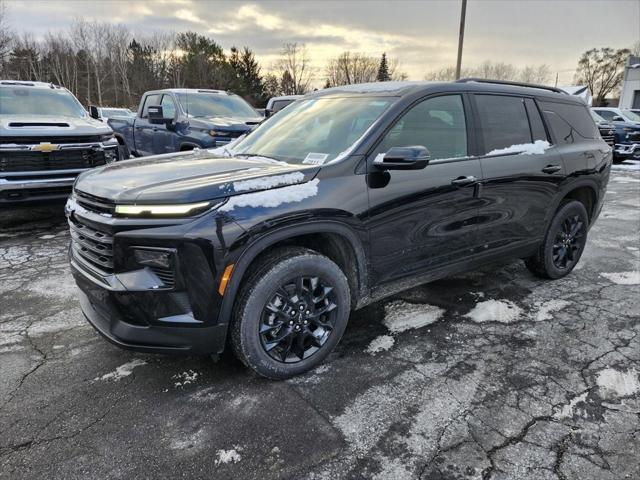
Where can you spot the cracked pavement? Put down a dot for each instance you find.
(493, 374)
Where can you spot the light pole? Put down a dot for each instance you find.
(461, 38)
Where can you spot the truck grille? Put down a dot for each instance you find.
(59, 160)
(91, 246)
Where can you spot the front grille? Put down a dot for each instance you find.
(58, 160)
(54, 140)
(92, 246)
(95, 204)
(633, 137)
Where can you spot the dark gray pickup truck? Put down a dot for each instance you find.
(179, 119)
(46, 140)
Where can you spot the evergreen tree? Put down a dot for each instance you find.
(383, 69)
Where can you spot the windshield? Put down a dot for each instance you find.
(114, 112)
(215, 105)
(314, 131)
(630, 116)
(597, 118)
(39, 101)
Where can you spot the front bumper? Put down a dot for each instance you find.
(627, 151)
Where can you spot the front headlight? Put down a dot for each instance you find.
(107, 137)
(182, 210)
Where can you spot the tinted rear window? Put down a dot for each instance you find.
(569, 122)
(503, 121)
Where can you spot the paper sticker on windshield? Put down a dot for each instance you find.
(315, 158)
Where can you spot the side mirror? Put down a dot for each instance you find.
(618, 118)
(267, 112)
(403, 158)
(156, 115)
(94, 112)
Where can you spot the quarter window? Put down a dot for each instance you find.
(503, 121)
(436, 123)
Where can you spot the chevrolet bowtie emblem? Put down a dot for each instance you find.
(45, 147)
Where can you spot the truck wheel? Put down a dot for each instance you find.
(563, 244)
(123, 152)
(290, 313)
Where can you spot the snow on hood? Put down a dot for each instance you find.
(536, 148)
(273, 198)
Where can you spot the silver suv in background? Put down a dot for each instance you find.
(46, 139)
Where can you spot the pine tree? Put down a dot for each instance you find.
(383, 70)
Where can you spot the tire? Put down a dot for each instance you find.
(279, 296)
(123, 152)
(563, 243)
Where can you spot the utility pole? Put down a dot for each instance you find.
(461, 38)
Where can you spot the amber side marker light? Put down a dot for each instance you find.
(226, 276)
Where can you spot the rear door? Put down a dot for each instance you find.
(522, 170)
(420, 220)
(145, 131)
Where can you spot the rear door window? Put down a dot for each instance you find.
(503, 121)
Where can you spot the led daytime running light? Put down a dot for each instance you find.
(159, 209)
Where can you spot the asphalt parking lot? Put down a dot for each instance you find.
(492, 374)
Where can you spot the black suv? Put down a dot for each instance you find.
(348, 196)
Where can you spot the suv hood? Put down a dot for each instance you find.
(48, 125)
(189, 177)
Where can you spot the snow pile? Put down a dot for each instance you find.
(623, 278)
(629, 165)
(379, 344)
(612, 382)
(185, 378)
(401, 316)
(227, 456)
(122, 371)
(502, 311)
(268, 182)
(536, 148)
(546, 309)
(273, 198)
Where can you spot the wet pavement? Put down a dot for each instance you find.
(493, 374)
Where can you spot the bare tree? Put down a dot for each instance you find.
(539, 74)
(601, 70)
(295, 69)
(5, 34)
(350, 67)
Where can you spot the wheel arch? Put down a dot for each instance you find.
(584, 191)
(334, 240)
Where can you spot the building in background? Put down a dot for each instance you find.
(630, 95)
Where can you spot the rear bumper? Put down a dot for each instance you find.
(100, 308)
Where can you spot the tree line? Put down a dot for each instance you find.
(106, 64)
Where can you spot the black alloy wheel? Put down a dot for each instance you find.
(569, 239)
(298, 319)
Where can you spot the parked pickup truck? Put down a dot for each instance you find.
(179, 119)
(46, 139)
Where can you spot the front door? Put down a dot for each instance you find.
(144, 130)
(423, 219)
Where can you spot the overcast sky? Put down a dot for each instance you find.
(421, 34)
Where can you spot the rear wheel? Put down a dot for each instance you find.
(564, 242)
(291, 313)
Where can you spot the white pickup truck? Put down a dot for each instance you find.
(46, 139)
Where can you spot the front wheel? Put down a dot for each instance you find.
(563, 244)
(291, 312)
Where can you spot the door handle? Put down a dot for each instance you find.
(155, 129)
(552, 168)
(462, 181)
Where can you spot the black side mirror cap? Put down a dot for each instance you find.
(403, 158)
(94, 112)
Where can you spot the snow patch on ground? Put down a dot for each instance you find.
(625, 179)
(623, 278)
(546, 309)
(265, 183)
(502, 311)
(401, 316)
(612, 382)
(55, 286)
(570, 408)
(273, 198)
(191, 441)
(47, 237)
(65, 320)
(122, 371)
(227, 456)
(628, 165)
(536, 148)
(185, 378)
(380, 344)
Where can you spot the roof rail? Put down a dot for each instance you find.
(507, 82)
